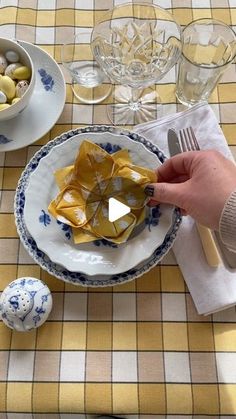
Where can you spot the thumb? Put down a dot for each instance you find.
(167, 193)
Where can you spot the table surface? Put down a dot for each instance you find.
(138, 349)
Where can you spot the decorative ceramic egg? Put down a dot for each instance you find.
(12, 56)
(25, 304)
(21, 73)
(15, 100)
(7, 86)
(4, 106)
(21, 88)
(11, 68)
(3, 97)
(3, 63)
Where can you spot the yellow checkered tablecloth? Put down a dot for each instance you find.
(137, 349)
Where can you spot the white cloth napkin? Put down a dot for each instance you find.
(212, 289)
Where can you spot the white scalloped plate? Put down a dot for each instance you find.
(56, 240)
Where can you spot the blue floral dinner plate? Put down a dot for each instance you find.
(119, 266)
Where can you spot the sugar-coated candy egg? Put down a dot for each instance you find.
(7, 86)
(21, 87)
(3, 97)
(12, 56)
(11, 68)
(4, 106)
(3, 63)
(16, 99)
(22, 73)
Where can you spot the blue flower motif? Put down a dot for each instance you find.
(39, 310)
(44, 218)
(46, 79)
(42, 72)
(66, 228)
(36, 319)
(4, 139)
(110, 148)
(104, 242)
(31, 281)
(153, 217)
(14, 301)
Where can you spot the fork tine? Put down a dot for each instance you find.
(182, 141)
(188, 141)
(193, 136)
(191, 143)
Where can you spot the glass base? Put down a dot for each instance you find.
(88, 94)
(186, 102)
(134, 106)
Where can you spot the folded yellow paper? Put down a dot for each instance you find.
(85, 189)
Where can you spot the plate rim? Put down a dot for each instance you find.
(3, 147)
(59, 271)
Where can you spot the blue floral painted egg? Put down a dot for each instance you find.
(25, 304)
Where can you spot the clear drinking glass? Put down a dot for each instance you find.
(209, 47)
(136, 45)
(89, 82)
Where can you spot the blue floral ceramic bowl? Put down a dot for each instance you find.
(25, 59)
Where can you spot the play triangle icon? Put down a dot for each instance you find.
(116, 209)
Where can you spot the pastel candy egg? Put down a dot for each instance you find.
(22, 73)
(7, 86)
(3, 63)
(21, 88)
(4, 106)
(3, 97)
(12, 56)
(15, 100)
(11, 68)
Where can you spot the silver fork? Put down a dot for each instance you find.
(188, 142)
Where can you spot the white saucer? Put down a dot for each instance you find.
(45, 106)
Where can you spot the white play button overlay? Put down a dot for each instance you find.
(116, 209)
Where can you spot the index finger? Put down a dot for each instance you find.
(176, 167)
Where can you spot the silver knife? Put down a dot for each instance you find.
(207, 238)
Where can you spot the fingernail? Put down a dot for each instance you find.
(149, 190)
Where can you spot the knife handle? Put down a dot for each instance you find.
(209, 246)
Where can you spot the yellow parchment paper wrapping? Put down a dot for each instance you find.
(85, 189)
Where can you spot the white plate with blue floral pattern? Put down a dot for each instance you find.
(45, 106)
(60, 152)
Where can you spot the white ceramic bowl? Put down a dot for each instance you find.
(13, 110)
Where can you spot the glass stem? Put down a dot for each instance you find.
(135, 101)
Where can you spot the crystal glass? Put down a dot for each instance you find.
(88, 80)
(136, 45)
(209, 47)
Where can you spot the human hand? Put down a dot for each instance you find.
(198, 182)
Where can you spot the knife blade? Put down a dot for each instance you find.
(173, 142)
(207, 239)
